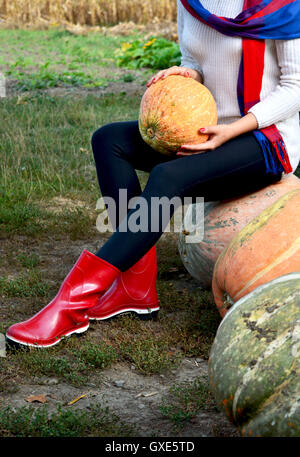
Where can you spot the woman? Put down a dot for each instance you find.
(251, 64)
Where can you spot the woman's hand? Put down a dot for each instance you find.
(183, 71)
(219, 134)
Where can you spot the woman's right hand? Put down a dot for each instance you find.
(184, 71)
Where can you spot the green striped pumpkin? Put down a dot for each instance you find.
(254, 364)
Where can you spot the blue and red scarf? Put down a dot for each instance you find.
(259, 20)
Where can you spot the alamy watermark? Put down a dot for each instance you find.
(2, 85)
(161, 214)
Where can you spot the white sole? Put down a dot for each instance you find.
(127, 310)
(81, 330)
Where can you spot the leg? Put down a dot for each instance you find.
(115, 146)
(235, 168)
(119, 150)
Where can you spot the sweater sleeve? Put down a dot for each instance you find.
(187, 60)
(284, 101)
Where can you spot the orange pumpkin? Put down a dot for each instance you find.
(173, 110)
(222, 221)
(266, 248)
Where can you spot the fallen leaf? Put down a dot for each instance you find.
(36, 398)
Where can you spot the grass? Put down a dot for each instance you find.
(57, 47)
(184, 401)
(150, 355)
(28, 261)
(53, 58)
(49, 155)
(29, 284)
(74, 363)
(28, 421)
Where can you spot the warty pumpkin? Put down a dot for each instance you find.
(266, 248)
(222, 221)
(254, 363)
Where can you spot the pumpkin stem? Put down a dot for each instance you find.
(150, 132)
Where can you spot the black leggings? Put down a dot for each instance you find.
(235, 168)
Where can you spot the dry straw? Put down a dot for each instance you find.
(86, 12)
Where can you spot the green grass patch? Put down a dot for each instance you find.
(28, 261)
(20, 47)
(149, 355)
(190, 318)
(96, 355)
(184, 402)
(73, 361)
(50, 58)
(28, 284)
(45, 152)
(44, 78)
(28, 421)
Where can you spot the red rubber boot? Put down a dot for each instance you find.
(133, 291)
(66, 314)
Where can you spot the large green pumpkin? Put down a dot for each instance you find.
(254, 365)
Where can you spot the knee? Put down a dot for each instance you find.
(101, 135)
(163, 179)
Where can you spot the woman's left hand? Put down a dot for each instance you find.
(218, 135)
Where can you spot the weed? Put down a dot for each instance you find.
(29, 284)
(28, 261)
(149, 355)
(156, 53)
(185, 400)
(39, 422)
(95, 354)
(45, 79)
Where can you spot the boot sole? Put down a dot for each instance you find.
(144, 315)
(13, 342)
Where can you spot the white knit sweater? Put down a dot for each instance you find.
(217, 57)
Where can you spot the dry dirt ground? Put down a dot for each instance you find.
(135, 398)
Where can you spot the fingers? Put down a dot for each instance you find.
(183, 154)
(210, 129)
(198, 147)
(185, 148)
(169, 71)
(155, 78)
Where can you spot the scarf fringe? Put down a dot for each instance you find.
(270, 160)
(276, 157)
(282, 155)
